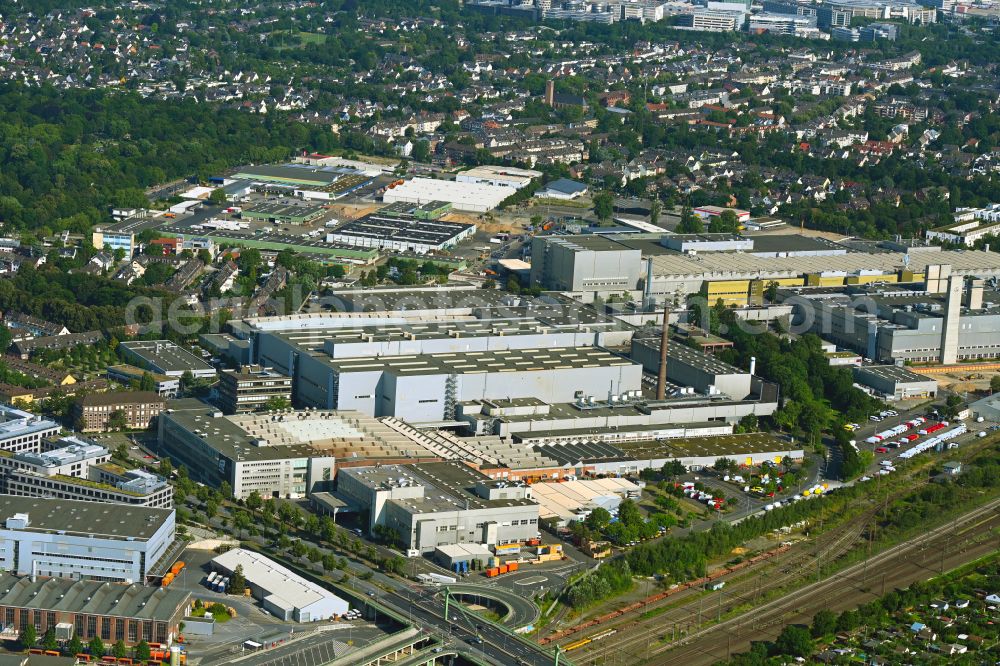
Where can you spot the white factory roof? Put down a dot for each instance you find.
(283, 587)
(564, 500)
(463, 196)
(464, 550)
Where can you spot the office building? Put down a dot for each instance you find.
(78, 469)
(91, 609)
(166, 358)
(708, 20)
(433, 504)
(780, 24)
(252, 389)
(277, 454)
(840, 13)
(99, 412)
(876, 31)
(111, 239)
(22, 431)
(85, 540)
(282, 593)
(786, 7)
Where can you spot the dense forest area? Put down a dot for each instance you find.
(70, 155)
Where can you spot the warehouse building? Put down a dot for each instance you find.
(22, 431)
(84, 540)
(693, 368)
(91, 609)
(434, 504)
(896, 382)
(464, 196)
(613, 263)
(165, 357)
(278, 454)
(889, 324)
(575, 500)
(433, 348)
(695, 453)
(624, 420)
(282, 593)
(426, 387)
(497, 176)
(282, 212)
(584, 263)
(292, 175)
(403, 232)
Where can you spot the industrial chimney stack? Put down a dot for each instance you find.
(661, 380)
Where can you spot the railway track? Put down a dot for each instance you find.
(635, 635)
(931, 553)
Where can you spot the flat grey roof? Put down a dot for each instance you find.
(100, 519)
(403, 228)
(302, 174)
(678, 351)
(894, 373)
(447, 485)
(92, 597)
(683, 447)
(166, 356)
(291, 434)
(503, 360)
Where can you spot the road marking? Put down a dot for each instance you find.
(533, 580)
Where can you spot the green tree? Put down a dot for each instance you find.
(218, 197)
(117, 421)
(142, 651)
(118, 650)
(794, 641)
(603, 206)
(824, 623)
(74, 646)
(49, 641)
(725, 223)
(238, 581)
(96, 646)
(654, 211)
(672, 469)
(28, 637)
(147, 383)
(254, 501)
(276, 402)
(995, 384)
(689, 224)
(5, 338)
(598, 519)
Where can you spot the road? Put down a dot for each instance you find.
(464, 630)
(962, 540)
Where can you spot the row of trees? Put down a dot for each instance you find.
(28, 638)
